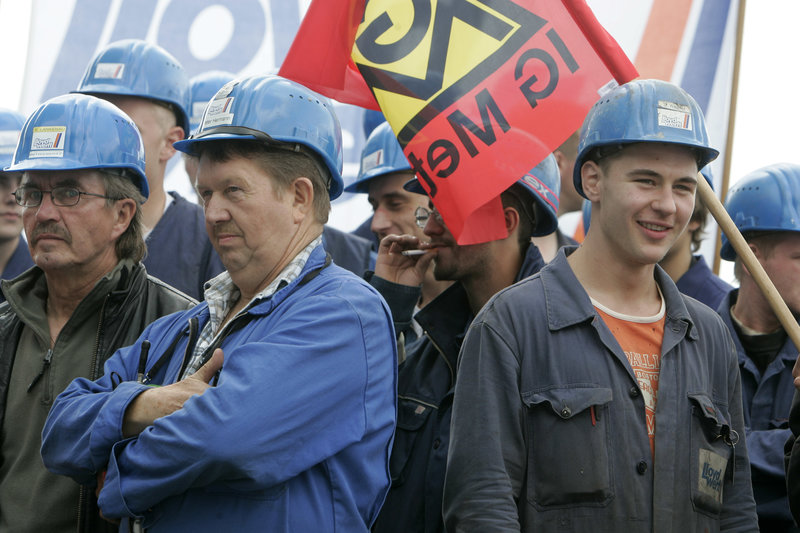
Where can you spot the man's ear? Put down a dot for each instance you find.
(124, 209)
(511, 219)
(562, 161)
(590, 179)
(173, 135)
(303, 198)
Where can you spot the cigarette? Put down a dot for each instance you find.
(415, 252)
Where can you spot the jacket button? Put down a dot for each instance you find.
(633, 392)
(436, 444)
(641, 467)
(566, 412)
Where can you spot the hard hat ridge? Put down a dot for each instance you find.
(765, 200)
(78, 131)
(279, 112)
(643, 111)
(132, 67)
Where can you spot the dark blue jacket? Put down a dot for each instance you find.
(702, 285)
(766, 401)
(425, 396)
(19, 262)
(349, 251)
(365, 232)
(178, 250)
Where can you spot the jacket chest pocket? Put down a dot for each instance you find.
(713, 440)
(568, 443)
(411, 418)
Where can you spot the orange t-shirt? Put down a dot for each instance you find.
(640, 339)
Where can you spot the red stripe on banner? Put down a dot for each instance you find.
(662, 38)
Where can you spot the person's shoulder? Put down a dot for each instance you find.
(183, 207)
(707, 321)
(524, 296)
(169, 294)
(329, 232)
(699, 311)
(339, 283)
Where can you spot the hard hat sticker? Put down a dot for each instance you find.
(8, 141)
(109, 71)
(674, 115)
(370, 161)
(48, 141)
(217, 113)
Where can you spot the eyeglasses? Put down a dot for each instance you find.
(60, 196)
(422, 214)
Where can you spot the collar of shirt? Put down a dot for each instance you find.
(221, 295)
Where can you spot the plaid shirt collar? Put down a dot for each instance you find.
(221, 295)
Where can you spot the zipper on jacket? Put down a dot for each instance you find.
(81, 503)
(48, 357)
(93, 368)
(443, 356)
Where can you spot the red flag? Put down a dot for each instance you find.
(477, 91)
(319, 57)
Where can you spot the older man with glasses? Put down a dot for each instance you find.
(82, 186)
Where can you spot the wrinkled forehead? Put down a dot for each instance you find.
(61, 178)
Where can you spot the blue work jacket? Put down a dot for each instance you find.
(295, 436)
(548, 427)
(702, 285)
(766, 401)
(425, 397)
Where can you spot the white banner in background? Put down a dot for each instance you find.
(244, 37)
(689, 42)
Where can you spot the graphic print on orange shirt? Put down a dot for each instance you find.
(640, 339)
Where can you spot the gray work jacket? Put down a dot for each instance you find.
(548, 428)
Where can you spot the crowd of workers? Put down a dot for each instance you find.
(236, 364)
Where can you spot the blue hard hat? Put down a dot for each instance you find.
(644, 111)
(276, 111)
(381, 155)
(371, 120)
(542, 182)
(202, 87)
(78, 131)
(133, 67)
(10, 125)
(767, 199)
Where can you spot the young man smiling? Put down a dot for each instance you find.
(594, 396)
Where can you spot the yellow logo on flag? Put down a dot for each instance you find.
(419, 56)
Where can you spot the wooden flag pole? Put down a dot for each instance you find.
(749, 259)
(726, 166)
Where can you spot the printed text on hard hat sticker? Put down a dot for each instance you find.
(109, 71)
(48, 141)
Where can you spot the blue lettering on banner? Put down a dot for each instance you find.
(135, 17)
(249, 30)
